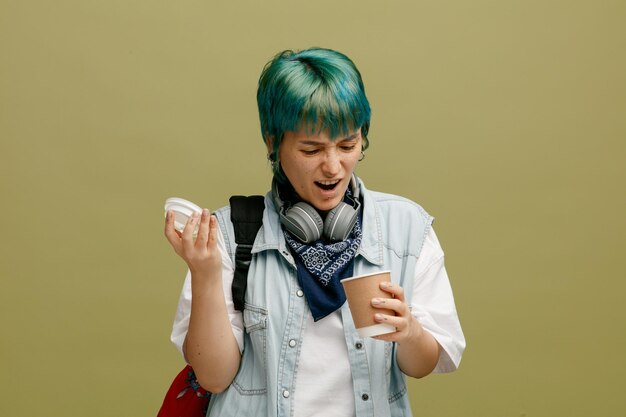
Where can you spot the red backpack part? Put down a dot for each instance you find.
(185, 398)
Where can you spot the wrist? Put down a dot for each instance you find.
(201, 279)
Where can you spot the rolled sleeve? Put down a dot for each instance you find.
(432, 304)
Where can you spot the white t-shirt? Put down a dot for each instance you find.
(323, 375)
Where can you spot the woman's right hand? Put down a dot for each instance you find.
(210, 345)
(202, 255)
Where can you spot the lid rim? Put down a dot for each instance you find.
(175, 202)
(366, 275)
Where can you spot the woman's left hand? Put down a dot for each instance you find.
(407, 326)
(418, 351)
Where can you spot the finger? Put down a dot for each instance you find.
(172, 235)
(394, 289)
(203, 231)
(190, 226)
(398, 322)
(396, 305)
(387, 320)
(212, 242)
(169, 223)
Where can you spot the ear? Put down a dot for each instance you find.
(269, 143)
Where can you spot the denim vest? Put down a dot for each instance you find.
(394, 229)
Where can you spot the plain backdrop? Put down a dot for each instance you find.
(504, 119)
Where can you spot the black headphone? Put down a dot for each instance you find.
(305, 223)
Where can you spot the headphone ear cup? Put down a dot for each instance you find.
(303, 222)
(339, 222)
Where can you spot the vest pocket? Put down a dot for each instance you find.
(251, 378)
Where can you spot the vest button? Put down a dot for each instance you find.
(292, 343)
(365, 397)
(358, 345)
(286, 394)
(299, 293)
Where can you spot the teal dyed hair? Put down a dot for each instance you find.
(315, 89)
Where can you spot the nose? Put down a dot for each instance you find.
(331, 166)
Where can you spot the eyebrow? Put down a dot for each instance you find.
(315, 142)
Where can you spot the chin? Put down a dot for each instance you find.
(327, 205)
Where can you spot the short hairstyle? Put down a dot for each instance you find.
(316, 89)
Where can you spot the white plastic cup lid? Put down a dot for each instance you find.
(183, 209)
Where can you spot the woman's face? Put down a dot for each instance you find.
(318, 168)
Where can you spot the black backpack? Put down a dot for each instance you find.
(246, 213)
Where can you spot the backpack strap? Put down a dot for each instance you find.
(246, 213)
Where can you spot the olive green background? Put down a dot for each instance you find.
(504, 119)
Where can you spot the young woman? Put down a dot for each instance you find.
(294, 350)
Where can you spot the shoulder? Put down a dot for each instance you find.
(396, 222)
(248, 216)
(397, 205)
(223, 216)
(226, 229)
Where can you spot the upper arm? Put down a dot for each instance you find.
(183, 310)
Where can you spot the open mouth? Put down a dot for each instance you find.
(327, 185)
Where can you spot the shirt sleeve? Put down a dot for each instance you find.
(432, 304)
(183, 311)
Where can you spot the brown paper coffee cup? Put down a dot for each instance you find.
(360, 290)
